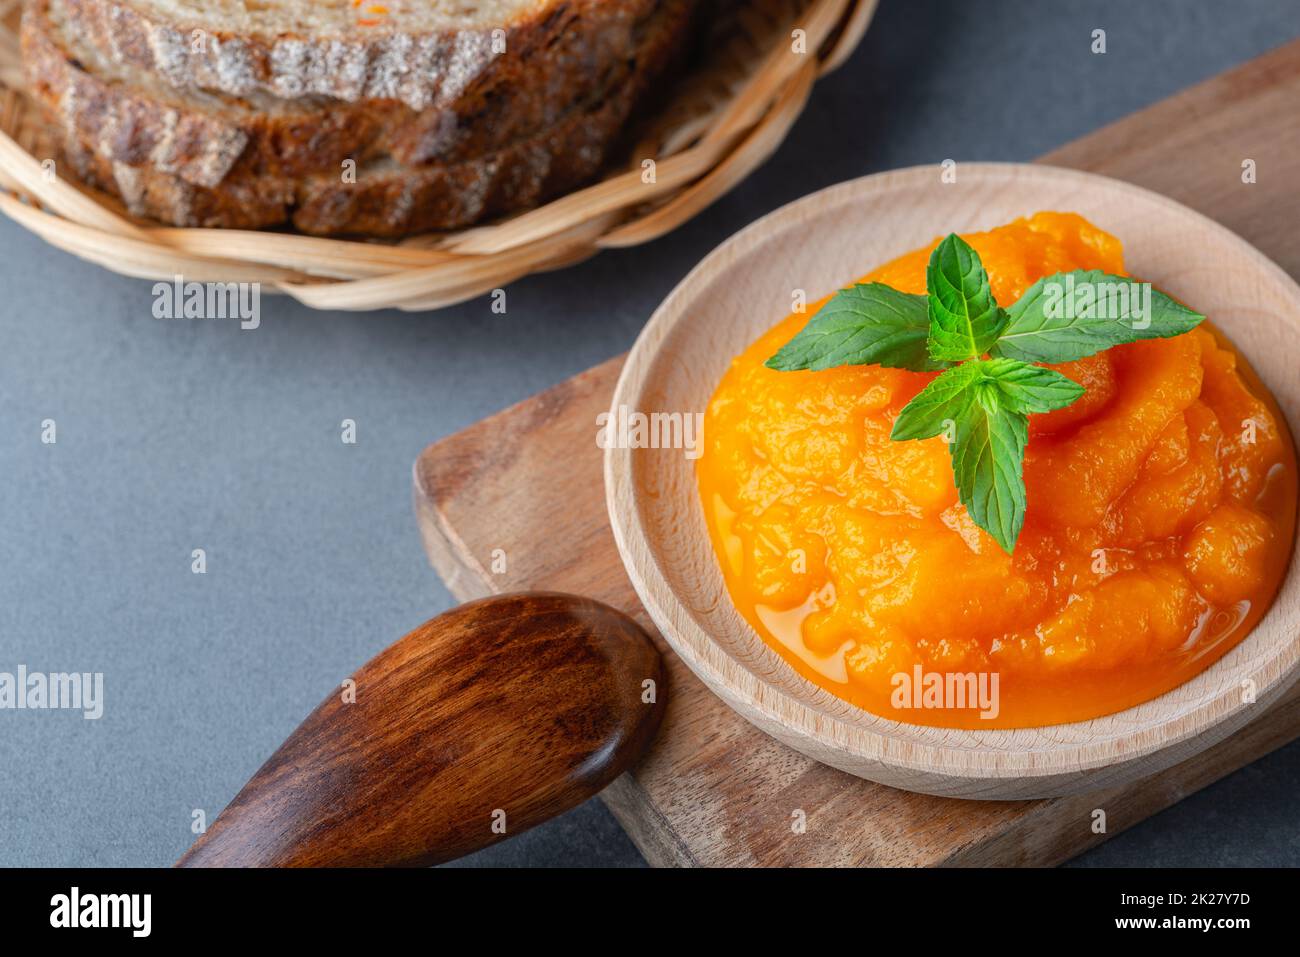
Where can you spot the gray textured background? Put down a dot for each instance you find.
(173, 436)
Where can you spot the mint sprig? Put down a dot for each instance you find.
(981, 406)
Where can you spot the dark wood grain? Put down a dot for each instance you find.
(508, 710)
(714, 790)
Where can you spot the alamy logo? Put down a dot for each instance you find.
(946, 691)
(1107, 299)
(625, 428)
(102, 910)
(36, 690)
(179, 299)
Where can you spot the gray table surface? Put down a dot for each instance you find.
(181, 435)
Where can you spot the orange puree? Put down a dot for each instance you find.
(1161, 513)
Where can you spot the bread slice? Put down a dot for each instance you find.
(248, 203)
(205, 137)
(425, 53)
(389, 198)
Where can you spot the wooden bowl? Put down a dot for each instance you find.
(818, 244)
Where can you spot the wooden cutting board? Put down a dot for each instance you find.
(517, 502)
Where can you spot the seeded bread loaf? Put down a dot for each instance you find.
(449, 53)
(388, 198)
(204, 137)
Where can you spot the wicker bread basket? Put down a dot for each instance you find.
(728, 115)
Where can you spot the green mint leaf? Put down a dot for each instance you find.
(1024, 388)
(987, 460)
(965, 319)
(865, 324)
(939, 403)
(1067, 316)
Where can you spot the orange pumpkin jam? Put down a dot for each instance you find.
(1160, 518)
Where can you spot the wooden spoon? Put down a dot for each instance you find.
(479, 724)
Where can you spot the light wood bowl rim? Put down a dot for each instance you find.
(978, 764)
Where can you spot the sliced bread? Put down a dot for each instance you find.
(388, 198)
(425, 54)
(205, 137)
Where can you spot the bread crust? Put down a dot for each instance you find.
(454, 69)
(389, 199)
(204, 139)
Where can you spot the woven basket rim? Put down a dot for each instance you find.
(704, 142)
